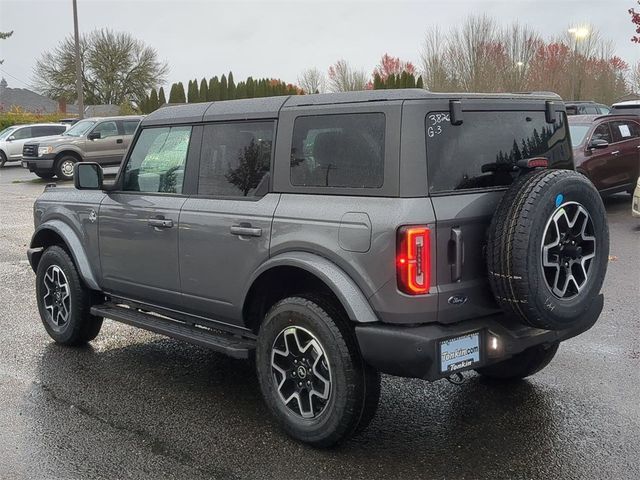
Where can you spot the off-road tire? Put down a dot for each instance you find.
(355, 386)
(62, 165)
(521, 365)
(81, 327)
(515, 248)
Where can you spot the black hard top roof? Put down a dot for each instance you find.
(269, 107)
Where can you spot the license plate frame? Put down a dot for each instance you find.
(465, 352)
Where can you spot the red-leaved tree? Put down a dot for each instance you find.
(635, 19)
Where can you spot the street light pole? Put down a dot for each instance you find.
(78, 64)
(578, 33)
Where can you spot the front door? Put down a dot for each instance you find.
(19, 137)
(138, 225)
(225, 229)
(109, 147)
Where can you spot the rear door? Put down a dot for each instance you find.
(469, 166)
(226, 227)
(108, 148)
(626, 142)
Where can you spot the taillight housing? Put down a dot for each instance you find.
(413, 259)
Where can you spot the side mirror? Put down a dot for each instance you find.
(598, 143)
(11, 138)
(94, 136)
(88, 176)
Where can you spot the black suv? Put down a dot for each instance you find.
(332, 238)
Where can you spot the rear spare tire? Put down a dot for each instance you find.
(548, 248)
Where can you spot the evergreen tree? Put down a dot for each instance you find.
(420, 82)
(204, 91)
(152, 102)
(223, 88)
(214, 89)
(181, 95)
(173, 94)
(161, 98)
(192, 92)
(231, 87)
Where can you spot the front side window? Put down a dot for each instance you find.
(483, 151)
(235, 159)
(602, 132)
(22, 133)
(107, 129)
(345, 150)
(157, 161)
(578, 132)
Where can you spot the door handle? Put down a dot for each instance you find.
(160, 223)
(615, 153)
(246, 230)
(456, 254)
(119, 140)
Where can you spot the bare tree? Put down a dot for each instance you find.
(116, 69)
(437, 72)
(344, 78)
(521, 44)
(312, 80)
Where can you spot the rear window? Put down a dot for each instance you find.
(345, 150)
(482, 152)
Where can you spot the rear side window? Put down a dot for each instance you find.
(235, 159)
(46, 130)
(107, 129)
(624, 130)
(130, 126)
(157, 162)
(482, 151)
(345, 150)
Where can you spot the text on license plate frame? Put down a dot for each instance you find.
(460, 353)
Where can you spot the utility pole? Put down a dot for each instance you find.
(78, 64)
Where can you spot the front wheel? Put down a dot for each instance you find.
(65, 167)
(3, 159)
(311, 373)
(521, 365)
(64, 302)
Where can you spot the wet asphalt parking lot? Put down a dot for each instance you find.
(138, 405)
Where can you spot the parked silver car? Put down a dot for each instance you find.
(101, 140)
(13, 138)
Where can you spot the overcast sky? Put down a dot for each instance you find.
(280, 39)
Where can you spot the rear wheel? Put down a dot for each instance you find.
(522, 364)
(64, 302)
(311, 373)
(65, 166)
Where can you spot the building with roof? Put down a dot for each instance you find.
(30, 101)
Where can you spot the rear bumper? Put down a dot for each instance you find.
(414, 351)
(44, 163)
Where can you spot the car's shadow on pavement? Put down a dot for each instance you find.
(199, 408)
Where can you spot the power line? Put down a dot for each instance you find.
(16, 78)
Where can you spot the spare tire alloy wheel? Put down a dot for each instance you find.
(57, 297)
(568, 248)
(301, 372)
(548, 248)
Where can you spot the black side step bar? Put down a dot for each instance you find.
(232, 345)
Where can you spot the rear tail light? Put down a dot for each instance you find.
(413, 260)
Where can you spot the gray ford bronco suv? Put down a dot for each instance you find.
(332, 238)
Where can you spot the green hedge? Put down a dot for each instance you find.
(18, 117)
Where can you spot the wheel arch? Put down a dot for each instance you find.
(68, 151)
(56, 232)
(299, 272)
